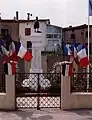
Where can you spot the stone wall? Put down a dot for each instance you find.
(75, 100)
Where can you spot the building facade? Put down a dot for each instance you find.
(78, 33)
(26, 28)
(10, 26)
(52, 34)
(53, 37)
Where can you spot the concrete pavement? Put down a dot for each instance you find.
(46, 114)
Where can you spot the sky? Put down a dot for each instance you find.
(60, 12)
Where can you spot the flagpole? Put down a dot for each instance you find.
(88, 70)
(88, 35)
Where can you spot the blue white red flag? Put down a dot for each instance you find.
(23, 53)
(66, 49)
(82, 56)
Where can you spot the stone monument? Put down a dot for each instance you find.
(37, 47)
(37, 25)
(37, 39)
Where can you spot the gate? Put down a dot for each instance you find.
(38, 90)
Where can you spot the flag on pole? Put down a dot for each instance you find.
(23, 53)
(82, 56)
(10, 46)
(90, 7)
(66, 49)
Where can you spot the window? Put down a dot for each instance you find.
(90, 34)
(90, 48)
(82, 33)
(49, 35)
(72, 30)
(52, 45)
(72, 36)
(29, 45)
(57, 36)
(50, 42)
(53, 42)
(86, 44)
(86, 34)
(53, 35)
(27, 31)
(4, 32)
(53, 29)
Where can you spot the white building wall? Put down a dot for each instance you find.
(24, 25)
(43, 28)
(24, 38)
(7, 100)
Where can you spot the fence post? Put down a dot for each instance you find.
(60, 91)
(7, 99)
(38, 91)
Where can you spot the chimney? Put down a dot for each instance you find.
(70, 26)
(0, 16)
(28, 16)
(17, 17)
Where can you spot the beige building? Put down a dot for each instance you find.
(78, 33)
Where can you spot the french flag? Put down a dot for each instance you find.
(12, 52)
(23, 53)
(67, 69)
(66, 49)
(4, 52)
(82, 56)
(10, 46)
(74, 49)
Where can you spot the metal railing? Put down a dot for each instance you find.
(38, 90)
(79, 82)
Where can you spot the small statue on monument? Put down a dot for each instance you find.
(36, 26)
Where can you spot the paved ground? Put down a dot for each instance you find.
(47, 114)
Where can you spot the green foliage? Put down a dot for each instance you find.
(55, 80)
